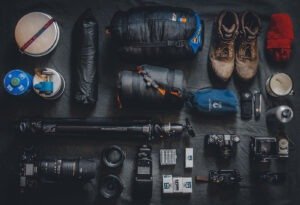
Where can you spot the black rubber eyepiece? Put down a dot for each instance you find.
(111, 187)
(113, 157)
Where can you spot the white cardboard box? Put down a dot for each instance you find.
(177, 184)
(187, 185)
(168, 157)
(167, 184)
(189, 158)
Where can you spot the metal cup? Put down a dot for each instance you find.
(279, 85)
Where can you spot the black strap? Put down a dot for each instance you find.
(136, 87)
(169, 43)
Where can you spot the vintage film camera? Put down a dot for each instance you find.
(271, 177)
(225, 144)
(221, 177)
(263, 149)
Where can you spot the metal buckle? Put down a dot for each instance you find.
(179, 44)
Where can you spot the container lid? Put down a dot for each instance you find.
(281, 84)
(40, 25)
(111, 187)
(17, 82)
(284, 113)
(58, 84)
(113, 157)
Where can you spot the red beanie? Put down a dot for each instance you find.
(280, 37)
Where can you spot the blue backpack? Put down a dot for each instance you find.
(213, 101)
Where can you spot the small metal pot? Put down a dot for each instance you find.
(37, 34)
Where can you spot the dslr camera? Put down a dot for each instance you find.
(263, 149)
(225, 144)
(34, 170)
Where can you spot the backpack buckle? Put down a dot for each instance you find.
(179, 44)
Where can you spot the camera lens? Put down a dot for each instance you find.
(87, 169)
(113, 157)
(66, 169)
(111, 187)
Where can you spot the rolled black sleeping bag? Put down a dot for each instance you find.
(151, 86)
(85, 57)
(157, 32)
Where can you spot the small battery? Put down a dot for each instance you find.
(167, 184)
(187, 185)
(177, 184)
(189, 158)
(168, 157)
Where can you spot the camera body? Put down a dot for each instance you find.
(224, 177)
(224, 143)
(271, 177)
(263, 149)
(34, 170)
(28, 171)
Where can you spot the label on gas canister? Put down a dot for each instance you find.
(17, 82)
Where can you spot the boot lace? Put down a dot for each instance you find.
(223, 50)
(246, 49)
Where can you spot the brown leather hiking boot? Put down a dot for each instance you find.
(222, 50)
(247, 51)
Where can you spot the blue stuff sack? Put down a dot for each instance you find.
(214, 101)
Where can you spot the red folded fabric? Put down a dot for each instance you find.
(280, 37)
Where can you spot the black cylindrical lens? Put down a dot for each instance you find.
(111, 187)
(86, 169)
(113, 157)
(67, 169)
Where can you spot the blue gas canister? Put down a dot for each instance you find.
(17, 82)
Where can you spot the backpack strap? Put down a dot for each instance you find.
(168, 43)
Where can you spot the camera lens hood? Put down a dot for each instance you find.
(113, 157)
(110, 187)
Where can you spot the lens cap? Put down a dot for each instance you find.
(111, 187)
(113, 157)
(286, 114)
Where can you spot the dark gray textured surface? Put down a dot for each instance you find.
(66, 13)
